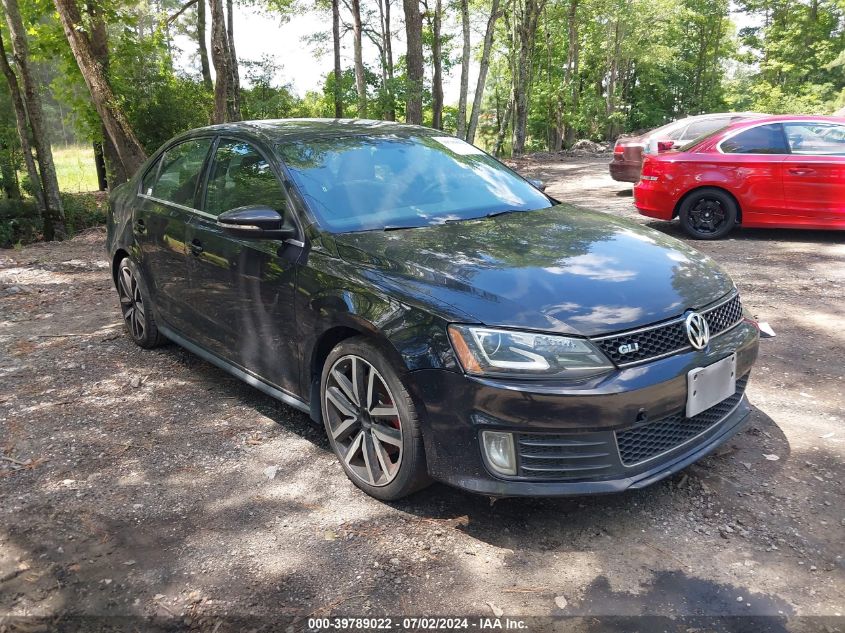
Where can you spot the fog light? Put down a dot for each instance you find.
(498, 452)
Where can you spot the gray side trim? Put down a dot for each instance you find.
(237, 372)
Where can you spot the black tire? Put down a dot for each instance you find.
(136, 307)
(708, 214)
(377, 475)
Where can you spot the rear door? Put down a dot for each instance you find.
(242, 289)
(167, 198)
(814, 173)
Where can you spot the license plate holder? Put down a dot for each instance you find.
(708, 386)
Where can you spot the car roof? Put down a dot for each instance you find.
(779, 118)
(275, 130)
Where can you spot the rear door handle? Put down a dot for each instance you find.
(801, 171)
(196, 247)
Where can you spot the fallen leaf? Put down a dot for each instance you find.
(771, 458)
(497, 611)
(560, 601)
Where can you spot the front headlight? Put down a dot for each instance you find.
(484, 351)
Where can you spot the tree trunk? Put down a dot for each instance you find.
(465, 53)
(115, 174)
(437, 62)
(338, 96)
(220, 58)
(130, 153)
(572, 49)
(483, 67)
(22, 125)
(100, 166)
(234, 99)
(526, 32)
(203, 48)
(357, 46)
(386, 50)
(54, 215)
(414, 61)
(503, 126)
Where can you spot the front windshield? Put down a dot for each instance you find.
(363, 183)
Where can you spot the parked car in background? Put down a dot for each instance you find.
(784, 171)
(438, 314)
(628, 151)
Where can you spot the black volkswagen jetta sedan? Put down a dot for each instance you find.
(439, 314)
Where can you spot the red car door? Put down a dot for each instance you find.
(751, 163)
(814, 174)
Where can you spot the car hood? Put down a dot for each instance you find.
(562, 269)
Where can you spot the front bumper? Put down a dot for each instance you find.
(588, 421)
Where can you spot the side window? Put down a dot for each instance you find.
(763, 139)
(240, 177)
(181, 166)
(149, 179)
(816, 139)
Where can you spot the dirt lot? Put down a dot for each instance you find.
(139, 483)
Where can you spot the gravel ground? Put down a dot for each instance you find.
(153, 484)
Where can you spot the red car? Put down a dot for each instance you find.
(628, 151)
(779, 171)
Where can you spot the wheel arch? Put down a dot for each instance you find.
(681, 200)
(351, 327)
(118, 256)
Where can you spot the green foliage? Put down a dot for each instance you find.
(21, 224)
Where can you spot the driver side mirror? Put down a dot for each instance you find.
(538, 184)
(257, 222)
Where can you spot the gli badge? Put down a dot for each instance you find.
(628, 348)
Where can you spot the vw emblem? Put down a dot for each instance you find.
(698, 332)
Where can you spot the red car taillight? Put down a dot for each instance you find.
(618, 148)
(651, 169)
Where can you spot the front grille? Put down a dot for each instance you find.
(649, 440)
(668, 338)
(561, 457)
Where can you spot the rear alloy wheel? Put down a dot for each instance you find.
(135, 306)
(371, 422)
(708, 214)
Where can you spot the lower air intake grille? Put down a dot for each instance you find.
(654, 438)
(561, 457)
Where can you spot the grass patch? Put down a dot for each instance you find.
(75, 168)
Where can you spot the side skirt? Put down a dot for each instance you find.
(237, 372)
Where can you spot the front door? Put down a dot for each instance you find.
(242, 289)
(814, 173)
(166, 203)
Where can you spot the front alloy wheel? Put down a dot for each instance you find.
(363, 420)
(371, 421)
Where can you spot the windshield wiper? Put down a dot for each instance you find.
(494, 214)
(391, 227)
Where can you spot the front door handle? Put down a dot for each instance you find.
(801, 171)
(196, 247)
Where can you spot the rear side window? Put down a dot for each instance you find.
(240, 177)
(180, 171)
(763, 139)
(816, 139)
